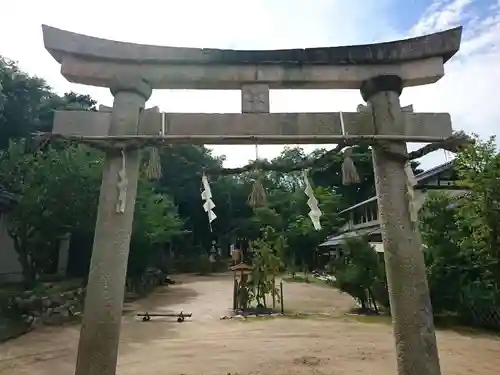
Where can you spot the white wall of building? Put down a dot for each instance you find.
(10, 268)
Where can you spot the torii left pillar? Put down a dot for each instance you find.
(100, 331)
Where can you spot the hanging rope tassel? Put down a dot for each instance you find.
(349, 172)
(153, 170)
(410, 183)
(121, 186)
(257, 197)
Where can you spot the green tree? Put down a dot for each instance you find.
(358, 271)
(478, 166)
(27, 104)
(447, 267)
(182, 167)
(330, 175)
(461, 235)
(57, 192)
(303, 238)
(266, 265)
(156, 224)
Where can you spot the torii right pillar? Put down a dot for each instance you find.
(411, 308)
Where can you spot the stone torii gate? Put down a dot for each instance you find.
(132, 71)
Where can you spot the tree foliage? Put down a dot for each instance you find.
(461, 235)
(266, 262)
(57, 192)
(358, 271)
(58, 187)
(27, 104)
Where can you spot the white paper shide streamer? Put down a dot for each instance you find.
(206, 195)
(410, 183)
(312, 202)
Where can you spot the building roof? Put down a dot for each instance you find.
(421, 179)
(339, 239)
(7, 199)
(375, 228)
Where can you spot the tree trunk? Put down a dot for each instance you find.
(372, 297)
(29, 274)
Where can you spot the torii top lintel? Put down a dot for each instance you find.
(94, 61)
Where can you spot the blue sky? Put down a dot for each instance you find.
(468, 91)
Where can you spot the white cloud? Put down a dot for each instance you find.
(466, 92)
(441, 14)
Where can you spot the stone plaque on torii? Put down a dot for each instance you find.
(132, 71)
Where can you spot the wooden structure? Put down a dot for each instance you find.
(241, 274)
(236, 255)
(363, 219)
(131, 71)
(146, 317)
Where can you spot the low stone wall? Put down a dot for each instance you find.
(27, 310)
(141, 286)
(49, 308)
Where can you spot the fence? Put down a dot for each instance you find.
(480, 316)
(241, 298)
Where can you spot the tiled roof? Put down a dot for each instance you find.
(421, 177)
(337, 240)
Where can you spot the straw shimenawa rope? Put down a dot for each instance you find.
(452, 144)
(153, 169)
(349, 172)
(257, 197)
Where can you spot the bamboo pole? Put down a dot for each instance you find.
(281, 298)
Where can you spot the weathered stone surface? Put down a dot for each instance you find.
(255, 98)
(248, 128)
(416, 347)
(100, 330)
(98, 62)
(56, 301)
(56, 308)
(443, 44)
(381, 83)
(98, 123)
(46, 302)
(214, 77)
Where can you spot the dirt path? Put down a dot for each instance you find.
(209, 346)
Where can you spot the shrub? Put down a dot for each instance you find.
(359, 272)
